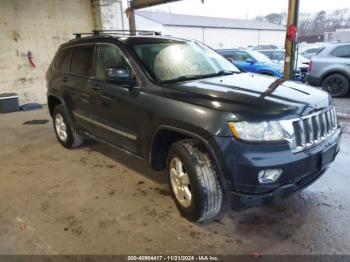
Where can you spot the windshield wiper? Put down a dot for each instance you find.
(193, 77)
(185, 77)
(226, 72)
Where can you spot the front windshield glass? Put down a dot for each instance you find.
(260, 57)
(178, 61)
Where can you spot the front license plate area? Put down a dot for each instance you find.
(328, 155)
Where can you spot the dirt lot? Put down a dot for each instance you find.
(97, 200)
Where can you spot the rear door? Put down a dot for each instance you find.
(343, 57)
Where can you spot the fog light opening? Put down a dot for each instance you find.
(269, 176)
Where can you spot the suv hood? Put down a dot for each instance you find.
(251, 96)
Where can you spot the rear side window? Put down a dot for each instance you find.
(82, 60)
(64, 59)
(342, 51)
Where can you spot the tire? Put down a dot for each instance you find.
(336, 85)
(205, 189)
(72, 139)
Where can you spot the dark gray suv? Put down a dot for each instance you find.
(330, 68)
(219, 133)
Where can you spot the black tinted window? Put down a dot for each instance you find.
(64, 59)
(342, 51)
(82, 60)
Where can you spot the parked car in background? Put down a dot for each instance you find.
(330, 68)
(278, 56)
(264, 47)
(252, 61)
(311, 51)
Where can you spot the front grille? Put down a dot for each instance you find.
(313, 129)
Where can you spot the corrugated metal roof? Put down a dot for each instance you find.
(205, 21)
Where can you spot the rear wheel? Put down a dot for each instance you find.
(193, 181)
(64, 129)
(336, 85)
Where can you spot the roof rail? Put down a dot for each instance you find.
(117, 32)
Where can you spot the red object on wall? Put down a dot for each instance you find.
(292, 33)
(30, 58)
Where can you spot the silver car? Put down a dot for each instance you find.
(330, 68)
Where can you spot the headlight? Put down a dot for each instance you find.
(280, 71)
(258, 131)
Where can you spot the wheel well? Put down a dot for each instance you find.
(52, 103)
(333, 73)
(160, 146)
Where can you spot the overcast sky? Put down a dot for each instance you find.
(248, 8)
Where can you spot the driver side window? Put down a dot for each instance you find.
(242, 56)
(110, 58)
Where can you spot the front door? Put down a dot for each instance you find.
(114, 103)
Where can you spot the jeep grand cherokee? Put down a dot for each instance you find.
(187, 110)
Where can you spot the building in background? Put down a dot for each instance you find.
(340, 35)
(213, 31)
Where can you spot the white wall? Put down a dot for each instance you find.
(194, 33)
(146, 24)
(39, 26)
(272, 37)
(216, 37)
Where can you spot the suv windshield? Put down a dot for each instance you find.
(179, 61)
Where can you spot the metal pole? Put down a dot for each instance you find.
(132, 23)
(290, 45)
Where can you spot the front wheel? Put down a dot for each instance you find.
(193, 181)
(336, 85)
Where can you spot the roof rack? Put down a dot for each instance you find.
(117, 32)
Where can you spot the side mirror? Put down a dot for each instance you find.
(229, 59)
(250, 61)
(118, 74)
(121, 76)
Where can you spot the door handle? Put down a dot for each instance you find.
(65, 79)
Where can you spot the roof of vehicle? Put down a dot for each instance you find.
(209, 22)
(128, 40)
(270, 50)
(228, 49)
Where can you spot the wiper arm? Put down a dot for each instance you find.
(185, 77)
(226, 72)
(193, 77)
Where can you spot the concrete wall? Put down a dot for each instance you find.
(38, 26)
(110, 14)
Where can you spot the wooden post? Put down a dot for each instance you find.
(290, 45)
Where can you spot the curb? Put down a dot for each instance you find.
(343, 115)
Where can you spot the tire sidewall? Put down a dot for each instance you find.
(60, 110)
(193, 212)
(345, 89)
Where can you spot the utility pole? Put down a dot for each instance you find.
(291, 38)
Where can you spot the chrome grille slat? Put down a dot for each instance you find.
(312, 129)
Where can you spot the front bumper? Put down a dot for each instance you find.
(245, 160)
